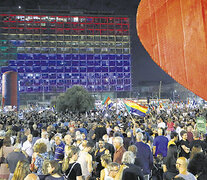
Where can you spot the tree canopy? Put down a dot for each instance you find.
(76, 99)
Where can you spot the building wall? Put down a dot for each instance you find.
(53, 53)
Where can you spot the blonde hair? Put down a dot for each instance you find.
(72, 150)
(22, 170)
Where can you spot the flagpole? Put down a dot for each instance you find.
(129, 113)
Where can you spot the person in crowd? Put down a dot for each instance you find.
(68, 140)
(79, 140)
(160, 144)
(170, 124)
(195, 149)
(32, 176)
(118, 144)
(41, 155)
(70, 166)
(173, 138)
(28, 148)
(169, 165)
(100, 151)
(54, 171)
(190, 137)
(128, 140)
(4, 152)
(184, 145)
(59, 149)
(198, 166)
(198, 141)
(108, 145)
(13, 158)
(44, 139)
(105, 160)
(181, 165)
(26, 133)
(21, 170)
(85, 160)
(133, 149)
(161, 123)
(114, 169)
(144, 154)
(132, 171)
(100, 131)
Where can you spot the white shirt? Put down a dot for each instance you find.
(46, 141)
(161, 125)
(27, 147)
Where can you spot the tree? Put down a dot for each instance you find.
(76, 99)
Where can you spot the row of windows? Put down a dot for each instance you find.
(42, 44)
(66, 50)
(69, 82)
(40, 37)
(64, 19)
(70, 63)
(15, 43)
(59, 88)
(64, 31)
(66, 56)
(68, 25)
(60, 76)
(50, 69)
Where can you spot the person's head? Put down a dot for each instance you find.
(133, 149)
(128, 158)
(139, 136)
(22, 170)
(189, 128)
(105, 138)
(57, 140)
(7, 141)
(116, 129)
(172, 151)
(32, 177)
(113, 169)
(183, 134)
(174, 136)
(29, 137)
(41, 148)
(105, 159)
(181, 164)
(160, 132)
(129, 134)
(118, 142)
(196, 135)
(27, 132)
(73, 152)
(53, 167)
(195, 149)
(44, 135)
(89, 146)
(101, 143)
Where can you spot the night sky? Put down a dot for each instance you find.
(144, 70)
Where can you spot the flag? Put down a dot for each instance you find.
(135, 108)
(107, 101)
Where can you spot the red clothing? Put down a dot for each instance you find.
(190, 136)
(170, 126)
(118, 154)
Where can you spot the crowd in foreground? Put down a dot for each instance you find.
(54, 146)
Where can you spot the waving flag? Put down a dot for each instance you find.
(135, 108)
(107, 101)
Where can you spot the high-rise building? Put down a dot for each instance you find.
(52, 53)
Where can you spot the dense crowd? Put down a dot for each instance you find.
(102, 145)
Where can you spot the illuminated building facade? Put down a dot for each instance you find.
(53, 53)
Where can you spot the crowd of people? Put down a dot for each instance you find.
(55, 146)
